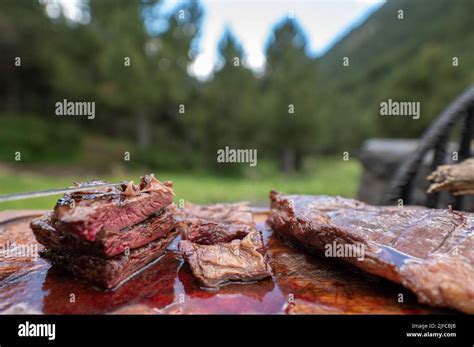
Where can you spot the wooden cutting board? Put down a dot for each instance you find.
(302, 283)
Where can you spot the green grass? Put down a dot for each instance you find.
(325, 176)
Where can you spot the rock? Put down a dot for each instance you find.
(382, 157)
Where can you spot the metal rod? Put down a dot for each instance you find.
(467, 133)
(439, 157)
(41, 193)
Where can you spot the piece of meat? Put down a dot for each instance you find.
(87, 213)
(299, 306)
(109, 272)
(211, 224)
(239, 260)
(428, 251)
(107, 243)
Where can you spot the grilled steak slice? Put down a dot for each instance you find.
(426, 250)
(107, 243)
(87, 213)
(239, 260)
(213, 224)
(109, 272)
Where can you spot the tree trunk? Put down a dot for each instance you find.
(288, 160)
(13, 93)
(299, 161)
(457, 179)
(143, 129)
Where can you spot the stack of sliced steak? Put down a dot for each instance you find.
(107, 234)
(221, 244)
(426, 250)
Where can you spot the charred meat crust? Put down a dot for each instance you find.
(87, 213)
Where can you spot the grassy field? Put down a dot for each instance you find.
(326, 176)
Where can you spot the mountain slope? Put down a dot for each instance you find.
(409, 59)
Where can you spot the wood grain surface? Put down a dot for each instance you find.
(302, 284)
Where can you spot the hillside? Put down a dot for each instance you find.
(407, 59)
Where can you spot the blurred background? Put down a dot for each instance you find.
(174, 81)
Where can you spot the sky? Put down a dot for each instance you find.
(251, 21)
(324, 22)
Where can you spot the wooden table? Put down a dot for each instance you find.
(302, 283)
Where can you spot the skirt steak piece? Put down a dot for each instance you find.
(239, 260)
(107, 243)
(211, 224)
(109, 272)
(429, 251)
(87, 213)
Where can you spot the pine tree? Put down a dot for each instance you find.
(229, 111)
(289, 90)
